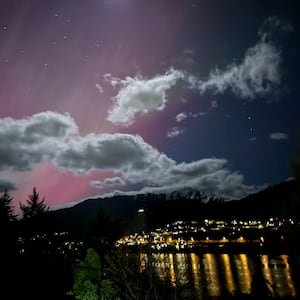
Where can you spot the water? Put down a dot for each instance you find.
(212, 274)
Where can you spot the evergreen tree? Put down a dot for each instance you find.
(89, 283)
(6, 209)
(34, 207)
(8, 249)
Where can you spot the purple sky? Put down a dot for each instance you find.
(133, 95)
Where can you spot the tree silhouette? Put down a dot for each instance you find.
(41, 256)
(33, 207)
(6, 209)
(102, 231)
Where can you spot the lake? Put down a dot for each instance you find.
(214, 273)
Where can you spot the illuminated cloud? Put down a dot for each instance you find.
(113, 181)
(180, 117)
(96, 184)
(32, 140)
(255, 76)
(207, 175)
(124, 153)
(175, 131)
(99, 88)
(140, 96)
(277, 136)
(138, 162)
(54, 138)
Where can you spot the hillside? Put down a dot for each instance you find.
(281, 200)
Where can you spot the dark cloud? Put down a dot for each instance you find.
(6, 185)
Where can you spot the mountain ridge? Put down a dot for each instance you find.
(280, 200)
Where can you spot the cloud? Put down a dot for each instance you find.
(125, 153)
(99, 88)
(113, 181)
(207, 175)
(272, 26)
(255, 76)
(180, 117)
(96, 184)
(277, 136)
(32, 140)
(214, 104)
(140, 96)
(6, 185)
(175, 131)
(138, 162)
(54, 138)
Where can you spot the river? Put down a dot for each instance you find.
(212, 274)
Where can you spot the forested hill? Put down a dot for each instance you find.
(281, 200)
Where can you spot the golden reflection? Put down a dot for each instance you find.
(243, 272)
(182, 268)
(196, 274)
(159, 266)
(179, 268)
(172, 272)
(143, 261)
(267, 272)
(288, 277)
(278, 275)
(229, 281)
(212, 275)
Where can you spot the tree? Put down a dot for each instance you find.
(134, 275)
(101, 232)
(7, 218)
(34, 206)
(41, 256)
(6, 209)
(89, 283)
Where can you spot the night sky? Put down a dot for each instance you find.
(98, 96)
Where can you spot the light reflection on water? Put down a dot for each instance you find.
(213, 273)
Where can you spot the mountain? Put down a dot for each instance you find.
(281, 200)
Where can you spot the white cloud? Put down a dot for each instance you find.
(138, 162)
(53, 138)
(209, 176)
(114, 181)
(124, 153)
(278, 136)
(175, 131)
(32, 140)
(181, 116)
(99, 88)
(255, 76)
(96, 184)
(140, 96)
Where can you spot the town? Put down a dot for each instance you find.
(214, 234)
